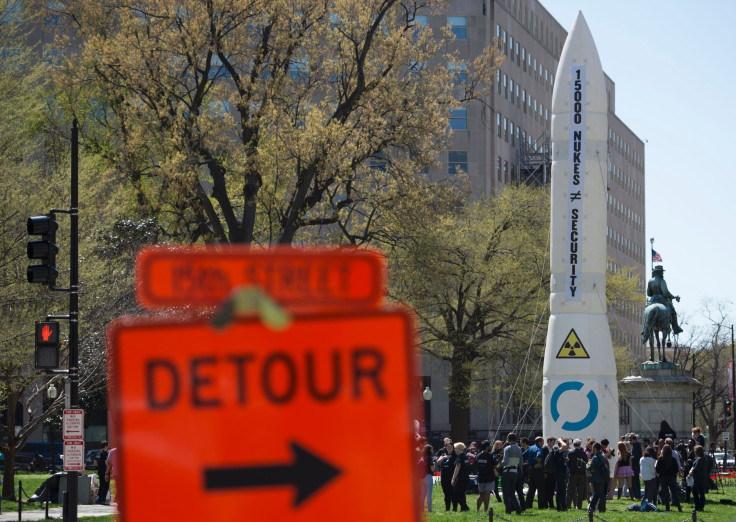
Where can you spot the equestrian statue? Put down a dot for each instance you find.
(660, 316)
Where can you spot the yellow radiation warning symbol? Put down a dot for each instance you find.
(572, 348)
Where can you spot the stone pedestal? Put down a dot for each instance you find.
(661, 392)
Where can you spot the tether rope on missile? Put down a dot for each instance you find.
(632, 408)
(533, 335)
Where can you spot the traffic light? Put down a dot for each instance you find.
(727, 408)
(721, 423)
(47, 344)
(44, 249)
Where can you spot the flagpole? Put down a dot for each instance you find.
(651, 254)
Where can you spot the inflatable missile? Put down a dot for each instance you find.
(579, 389)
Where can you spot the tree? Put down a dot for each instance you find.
(707, 360)
(261, 120)
(23, 182)
(478, 278)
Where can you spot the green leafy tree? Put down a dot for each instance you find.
(478, 278)
(265, 120)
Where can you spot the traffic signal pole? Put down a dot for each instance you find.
(74, 307)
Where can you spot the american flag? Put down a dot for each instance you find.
(656, 257)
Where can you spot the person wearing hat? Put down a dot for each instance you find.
(658, 292)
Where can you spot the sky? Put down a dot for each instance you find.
(672, 63)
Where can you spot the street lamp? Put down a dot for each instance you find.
(427, 394)
(52, 392)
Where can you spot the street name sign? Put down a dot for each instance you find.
(314, 422)
(305, 279)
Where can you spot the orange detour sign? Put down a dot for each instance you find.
(311, 423)
(306, 279)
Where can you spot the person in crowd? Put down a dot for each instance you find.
(577, 489)
(698, 436)
(509, 470)
(665, 431)
(446, 442)
(549, 475)
(699, 473)
(558, 455)
(111, 471)
(600, 475)
(667, 471)
(637, 452)
(427, 468)
(675, 454)
(101, 463)
(446, 463)
(686, 468)
(523, 473)
(497, 452)
(460, 478)
(533, 455)
(486, 474)
(623, 472)
(649, 475)
(589, 451)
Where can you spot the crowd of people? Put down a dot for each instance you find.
(562, 473)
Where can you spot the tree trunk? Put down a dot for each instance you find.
(9, 476)
(460, 398)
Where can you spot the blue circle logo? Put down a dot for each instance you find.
(592, 402)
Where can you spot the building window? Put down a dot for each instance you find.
(420, 22)
(505, 44)
(505, 171)
(298, 69)
(378, 162)
(459, 119)
(523, 99)
(498, 124)
(12, 12)
(458, 26)
(517, 54)
(498, 169)
(517, 94)
(457, 160)
(458, 71)
(506, 129)
(523, 58)
(511, 47)
(53, 13)
(511, 131)
(498, 80)
(511, 89)
(505, 86)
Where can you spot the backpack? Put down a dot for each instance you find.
(575, 462)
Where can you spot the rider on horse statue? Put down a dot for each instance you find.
(658, 293)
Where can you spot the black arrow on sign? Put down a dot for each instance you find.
(307, 473)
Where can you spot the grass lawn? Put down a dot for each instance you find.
(615, 510)
(31, 482)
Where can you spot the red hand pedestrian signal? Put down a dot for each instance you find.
(46, 332)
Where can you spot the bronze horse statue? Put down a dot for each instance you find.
(656, 321)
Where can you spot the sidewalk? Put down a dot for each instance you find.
(83, 510)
